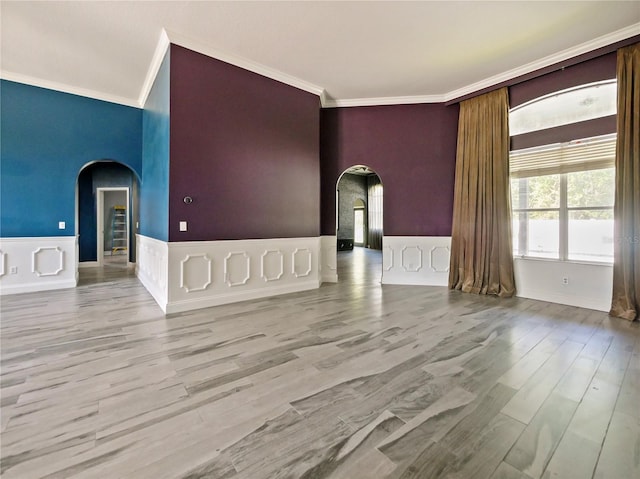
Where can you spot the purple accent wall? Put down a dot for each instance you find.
(413, 150)
(245, 148)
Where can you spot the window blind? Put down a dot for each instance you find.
(580, 155)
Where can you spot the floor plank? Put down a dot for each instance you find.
(353, 380)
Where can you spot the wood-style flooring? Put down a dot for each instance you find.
(353, 380)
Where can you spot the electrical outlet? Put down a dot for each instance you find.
(565, 280)
(183, 226)
(61, 225)
(13, 270)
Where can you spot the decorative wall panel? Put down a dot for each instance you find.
(237, 268)
(195, 272)
(439, 258)
(411, 258)
(421, 260)
(387, 258)
(329, 259)
(272, 265)
(301, 262)
(47, 261)
(37, 264)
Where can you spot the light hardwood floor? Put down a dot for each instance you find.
(354, 380)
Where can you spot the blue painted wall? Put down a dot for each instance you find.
(47, 137)
(154, 190)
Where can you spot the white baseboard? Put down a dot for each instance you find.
(88, 264)
(37, 264)
(416, 260)
(235, 297)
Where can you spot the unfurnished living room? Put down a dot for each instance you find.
(322, 239)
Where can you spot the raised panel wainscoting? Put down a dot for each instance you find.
(37, 264)
(183, 276)
(416, 260)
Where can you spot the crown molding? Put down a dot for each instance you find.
(73, 90)
(386, 100)
(561, 56)
(191, 44)
(168, 37)
(154, 67)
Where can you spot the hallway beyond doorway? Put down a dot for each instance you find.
(360, 266)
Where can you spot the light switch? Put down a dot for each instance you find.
(183, 226)
(61, 225)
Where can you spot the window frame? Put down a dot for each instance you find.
(563, 211)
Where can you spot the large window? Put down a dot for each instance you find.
(562, 194)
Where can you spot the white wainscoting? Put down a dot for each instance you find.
(589, 286)
(198, 274)
(329, 259)
(152, 267)
(37, 264)
(416, 260)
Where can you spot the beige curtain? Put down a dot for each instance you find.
(481, 251)
(626, 209)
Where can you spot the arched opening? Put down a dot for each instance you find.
(106, 220)
(359, 213)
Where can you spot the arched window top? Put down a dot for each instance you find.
(585, 102)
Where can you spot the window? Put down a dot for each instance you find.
(562, 193)
(586, 102)
(562, 200)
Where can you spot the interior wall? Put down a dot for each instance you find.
(411, 147)
(245, 148)
(47, 137)
(154, 190)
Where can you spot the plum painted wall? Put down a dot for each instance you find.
(245, 148)
(413, 150)
(47, 137)
(154, 189)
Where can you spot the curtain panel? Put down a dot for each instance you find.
(626, 209)
(375, 197)
(481, 246)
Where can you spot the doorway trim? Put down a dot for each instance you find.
(100, 221)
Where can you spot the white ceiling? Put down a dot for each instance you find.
(351, 52)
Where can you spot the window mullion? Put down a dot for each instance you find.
(563, 219)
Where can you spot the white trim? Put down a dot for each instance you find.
(88, 264)
(61, 87)
(423, 267)
(164, 271)
(245, 63)
(329, 258)
(590, 284)
(154, 67)
(549, 60)
(167, 37)
(389, 100)
(180, 306)
(56, 270)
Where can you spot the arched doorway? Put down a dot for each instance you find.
(359, 213)
(106, 215)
